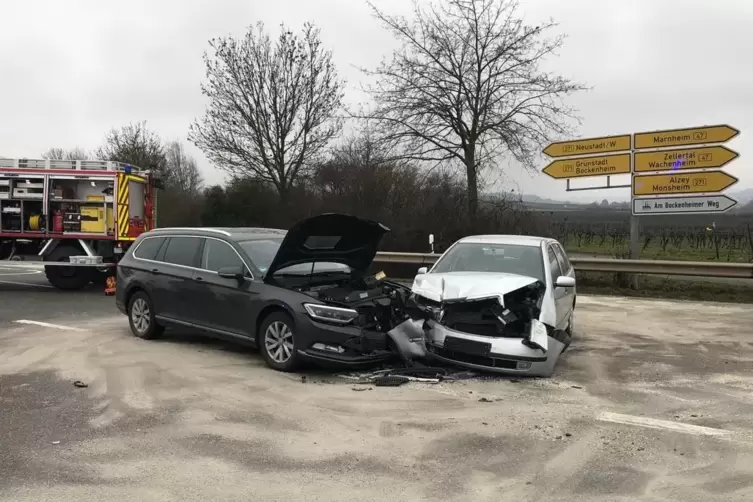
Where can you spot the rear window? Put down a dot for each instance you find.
(149, 248)
(182, 251)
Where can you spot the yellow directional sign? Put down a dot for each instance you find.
(606, 144)
(602, 165)
(682, 137)
(660, 184)
(684, 158)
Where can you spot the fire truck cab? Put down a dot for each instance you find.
(77, 216)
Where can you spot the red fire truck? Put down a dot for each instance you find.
(77, 216)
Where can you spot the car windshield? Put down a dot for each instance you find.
(263, 251)
(507, 258)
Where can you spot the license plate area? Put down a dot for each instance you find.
(471, 347)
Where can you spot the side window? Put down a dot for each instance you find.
(562, 258)
(182, 251)
(554, 265)
(149, 248)
(217, 255)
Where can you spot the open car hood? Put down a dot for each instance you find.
(336, 238)
(468, 285)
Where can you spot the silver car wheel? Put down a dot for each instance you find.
(278, 340)
(140, 315)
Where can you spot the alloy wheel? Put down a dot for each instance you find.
(278, 340)
(140, 315)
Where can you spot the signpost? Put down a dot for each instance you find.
(607, 144)
(694, 204)
(589, 166)
(675, 171)
(684, 158)
(683, 137)
(681, 183)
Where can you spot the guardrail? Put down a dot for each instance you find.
(657, 267)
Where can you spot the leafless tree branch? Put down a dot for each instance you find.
(272, 107)
(467, 86)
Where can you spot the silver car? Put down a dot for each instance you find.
(501, 303)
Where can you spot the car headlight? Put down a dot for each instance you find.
(330, 314)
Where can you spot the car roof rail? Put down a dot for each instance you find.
(193, 229)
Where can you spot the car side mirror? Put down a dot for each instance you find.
(237, 273)
(565, 281)
(423, 270)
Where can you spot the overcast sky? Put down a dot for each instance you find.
(73, 69)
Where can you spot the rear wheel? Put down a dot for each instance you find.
(277, 342)
(141, 317)
(66, 278)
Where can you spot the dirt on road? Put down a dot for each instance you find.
(651, 402)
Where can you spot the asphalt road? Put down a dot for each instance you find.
(652, 402)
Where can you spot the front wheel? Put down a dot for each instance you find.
(277, 342)
(141, 317)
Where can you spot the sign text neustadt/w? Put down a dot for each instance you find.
(606, 144)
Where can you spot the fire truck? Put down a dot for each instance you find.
(78, 217)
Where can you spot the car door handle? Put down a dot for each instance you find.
(155, 271)
(198, 279)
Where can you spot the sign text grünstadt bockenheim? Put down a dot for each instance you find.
(655, 153)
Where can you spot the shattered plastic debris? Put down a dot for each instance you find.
(390, 380)
(417, 373)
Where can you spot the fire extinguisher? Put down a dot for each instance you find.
(57, 222)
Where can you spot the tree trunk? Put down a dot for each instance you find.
(472, 176)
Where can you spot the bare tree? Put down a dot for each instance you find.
(467, 85)
(63, 154)
(181, 171)
(272, 106)
(137, 145)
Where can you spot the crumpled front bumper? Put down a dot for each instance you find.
(417, 338)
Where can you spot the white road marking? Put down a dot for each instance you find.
(16, 283)
(653, 423)
(25, 272)
(48, 325)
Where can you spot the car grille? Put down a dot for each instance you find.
(491, 362)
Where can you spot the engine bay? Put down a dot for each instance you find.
(380, 303)
(487, 316)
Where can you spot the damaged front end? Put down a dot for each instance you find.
(350, 314)
(492, 331)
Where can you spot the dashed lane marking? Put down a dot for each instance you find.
(48, 325)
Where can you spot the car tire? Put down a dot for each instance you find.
(141, 317)
(277, 342)
(569, 331)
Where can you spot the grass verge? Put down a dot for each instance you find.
(670, 253)
(669, 288)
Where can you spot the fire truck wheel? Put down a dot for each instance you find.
(67, 278)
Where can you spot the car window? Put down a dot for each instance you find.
(217, 255)
(261, 251)
(149, 248)
(483, 257)
(554, 265)
(182, 251)
(564, 265)
(564, 256)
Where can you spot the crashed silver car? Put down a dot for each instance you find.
(498, 303)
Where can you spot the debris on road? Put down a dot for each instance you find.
(80, 384)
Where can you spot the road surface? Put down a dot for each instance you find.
(652, 402)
